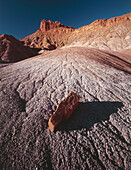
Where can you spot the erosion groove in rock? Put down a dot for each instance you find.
(98, 133)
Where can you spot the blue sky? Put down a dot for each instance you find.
(22, 17)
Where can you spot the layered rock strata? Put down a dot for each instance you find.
(48, 25)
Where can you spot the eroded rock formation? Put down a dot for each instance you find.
(113, 34)
(12, 50)
(50, 34)
(108, 34)
(98, 134)
(48, 25)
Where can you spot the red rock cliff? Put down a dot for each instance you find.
(48, 25)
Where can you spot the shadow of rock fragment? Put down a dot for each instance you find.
(89, 113)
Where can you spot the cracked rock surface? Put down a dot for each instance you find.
(98, 133)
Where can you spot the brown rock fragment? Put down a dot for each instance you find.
(64, 110)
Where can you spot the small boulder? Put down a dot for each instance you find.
(64, 110)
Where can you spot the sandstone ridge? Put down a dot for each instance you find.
(48, 25)
(110, 34)
(109, 22)
(51, 35)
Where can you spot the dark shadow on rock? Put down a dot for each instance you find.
(89, 113)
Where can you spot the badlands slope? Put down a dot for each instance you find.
(12, 50)
(112, 34)
(98, 134)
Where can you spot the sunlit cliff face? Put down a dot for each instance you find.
(112, 34)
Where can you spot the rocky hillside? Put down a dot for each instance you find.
(12, 50)
(112, 34)
(98, 134)
(50, 35)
